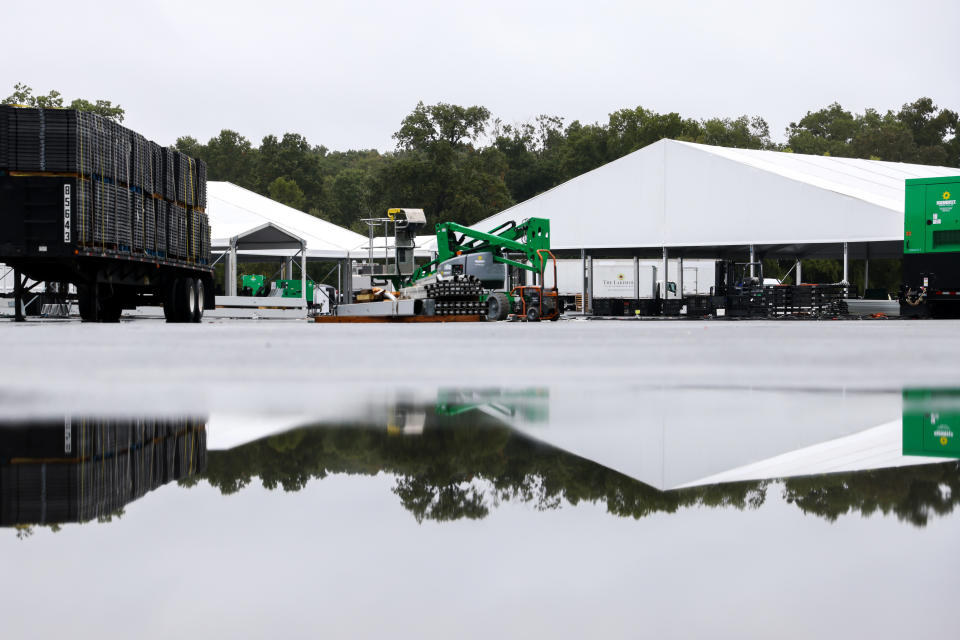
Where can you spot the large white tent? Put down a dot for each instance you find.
(697, 199)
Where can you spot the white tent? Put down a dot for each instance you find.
(234, 211)
(697, 197)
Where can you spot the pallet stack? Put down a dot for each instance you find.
(131, 196)
(459, 297)
(814, 300)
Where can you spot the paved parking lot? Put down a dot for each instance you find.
(144, 365)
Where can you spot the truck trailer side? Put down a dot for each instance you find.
(88, 202)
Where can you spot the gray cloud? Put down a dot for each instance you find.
(345, 73)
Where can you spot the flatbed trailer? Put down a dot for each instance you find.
(123, 220)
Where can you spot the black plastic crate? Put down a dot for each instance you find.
(162, 209)
(149, 224)
(601, 306)
(138, 220)
(699, 305)
(168, 181)
(104, 220)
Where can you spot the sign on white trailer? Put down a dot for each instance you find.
(616, 278)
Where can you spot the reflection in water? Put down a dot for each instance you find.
(470, 450)
(79, 469)
(466, 460)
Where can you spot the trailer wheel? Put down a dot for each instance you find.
(533, 314)
(187, 299)
(86, 303)
(170, 301)
(110, 309)
(498, 306)
(199, 300)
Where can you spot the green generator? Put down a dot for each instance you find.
(294, 289)
(257, 286)
(931, 247)
(253, 285)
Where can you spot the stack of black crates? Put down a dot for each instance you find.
(806, 300)
(132, 195)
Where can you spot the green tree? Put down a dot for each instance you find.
(741, 133)
(920, 133)
(288, 192)
(23, 95)
(231, 157)
(446, 126)
(104, 108)
(293, 158)
(934, 131)
(530, 151)
(349, 193)
(438, 168)
(827, 131)
(633, 129)
(883, 137)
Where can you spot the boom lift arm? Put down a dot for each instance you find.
(526, 238)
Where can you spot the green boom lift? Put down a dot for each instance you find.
(488, 257)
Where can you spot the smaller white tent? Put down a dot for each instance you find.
(234, 211)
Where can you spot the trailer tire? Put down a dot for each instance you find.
(533, 314)
(199, 300)
(110, 309)
(498, 306)
(187, 299)
(170, 301)
(85, 303)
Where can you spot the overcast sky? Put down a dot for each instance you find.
(344, 74)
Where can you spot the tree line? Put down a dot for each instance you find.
(461, 468)
(463, 164)
(460, 163)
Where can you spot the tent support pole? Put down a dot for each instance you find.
(663, 290)
(753, 258)
(866, 269)
(583, 281)
(846, 262)
(680, 277)
(17, 296)
(588, 300)
(636, 278)
(231, 273)
(303, 273)
(799, 278)
(346, 282)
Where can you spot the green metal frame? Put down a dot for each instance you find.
(527, 238)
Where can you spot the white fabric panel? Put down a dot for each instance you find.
(713, 199)
(234, 210)
(667, 440)
(610, 206)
